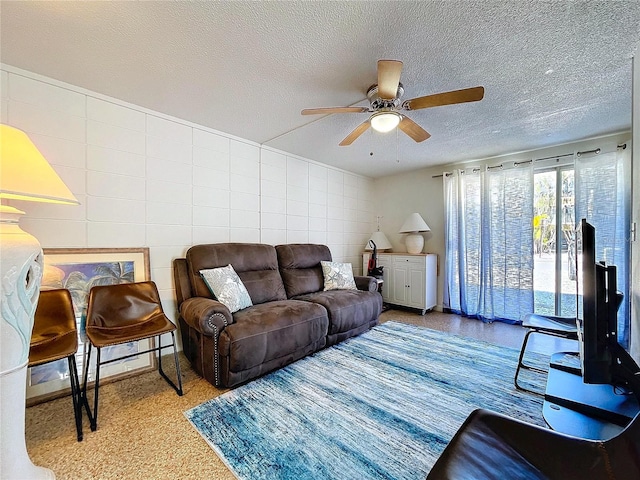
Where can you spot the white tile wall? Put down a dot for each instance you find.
(38, 119)
(162, 213)
(169, 171)
(295, 207)
(317, 197)
(61, 152)
(118, 138)
(244, 235)
(166, 191)
(114, 235)
(211, 216)
(211, 141)
(210, 235)
(245, 202)
(238, 149)
(51, 211)
(55, 233)
(46, 96)
(274, 236)
(112, 114)
(145, 179)
(173, 132)
(101, 184)
(102, 159)
(172, 151)
(245, 167)
(273, 205)
(211, 197)
(4, 84)
(117, 210)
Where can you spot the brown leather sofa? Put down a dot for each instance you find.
(291, 316)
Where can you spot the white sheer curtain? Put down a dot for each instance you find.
(603, 197)
(488, 243)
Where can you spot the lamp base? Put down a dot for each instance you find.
(414, 243)
(21, 266)
(14, 459)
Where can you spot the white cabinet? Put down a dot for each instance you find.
(409, 280)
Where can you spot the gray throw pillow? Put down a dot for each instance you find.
(338, 276)
(225, 284)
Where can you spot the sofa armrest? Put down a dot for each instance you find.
(207, 316)
(368, 284)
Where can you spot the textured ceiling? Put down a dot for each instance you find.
(553, 71)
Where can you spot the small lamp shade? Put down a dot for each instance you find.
(381, 241)
(24, 172)
(413, 225)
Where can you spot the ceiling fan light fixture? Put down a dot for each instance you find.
(384, 122)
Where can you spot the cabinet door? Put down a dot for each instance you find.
(400, 285)
(416, 289)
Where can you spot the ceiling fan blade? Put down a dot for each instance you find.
(388, 78)
(414, 130)
(359, 130)
(328, 110)
(447, 98)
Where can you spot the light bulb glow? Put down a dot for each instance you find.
(384, 122)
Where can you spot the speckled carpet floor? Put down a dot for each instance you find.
(382, 405)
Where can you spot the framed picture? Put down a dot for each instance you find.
(78, 270)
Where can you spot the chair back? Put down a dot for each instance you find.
(300, 267)
(123, 305)
(256, 264)
(54, 334)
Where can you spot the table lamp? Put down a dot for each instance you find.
(24, 175)
(379, 238)
(413, 225)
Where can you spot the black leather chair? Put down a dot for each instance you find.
(491, 446)
(562, 327)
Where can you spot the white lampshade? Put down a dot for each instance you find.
(384, 122)
(381, 241)
(414, 223)
(25, 174)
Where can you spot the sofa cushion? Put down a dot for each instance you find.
(255, 264)
(300, 267)
(348, 309)
(338, 276)
(271, 330)
(227, 287)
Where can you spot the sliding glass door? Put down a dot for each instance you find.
(554, 223)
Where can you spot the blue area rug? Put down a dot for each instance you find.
(382, 405)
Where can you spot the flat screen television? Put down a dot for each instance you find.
(603, 359)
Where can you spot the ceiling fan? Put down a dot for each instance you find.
(385, 106)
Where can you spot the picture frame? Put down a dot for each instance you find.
(77, 270)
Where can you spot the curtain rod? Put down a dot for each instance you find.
(596, 151)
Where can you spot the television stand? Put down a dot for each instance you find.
(596, 412)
